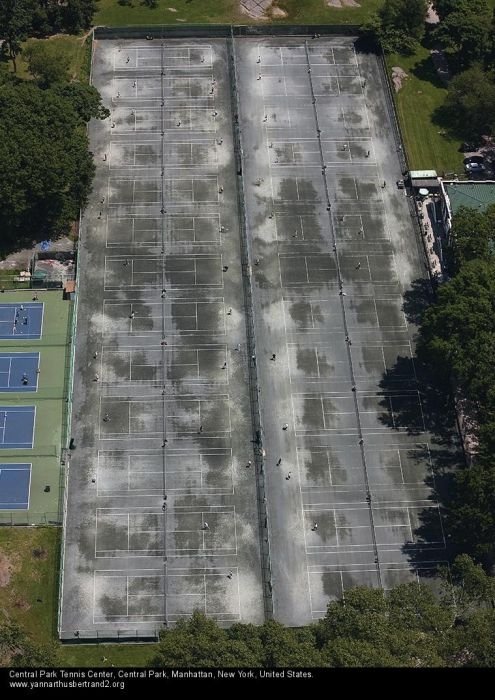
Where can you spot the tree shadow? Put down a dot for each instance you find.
(422, 407)
(425, 70)
(447, 119)
(417, 299)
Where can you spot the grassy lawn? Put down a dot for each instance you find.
(29, 560)
(116, 654)
(30, 596)
(318, 12)
(227, 12)
(77, 48)
(9, 279)
(210, 11)
(421, 94)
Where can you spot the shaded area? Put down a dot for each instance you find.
(438, 414)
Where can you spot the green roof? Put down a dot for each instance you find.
(474, 195)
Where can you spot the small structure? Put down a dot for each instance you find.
(424, 180)
(69, 290)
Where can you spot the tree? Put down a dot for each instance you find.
(407, 16)
(445, 7)
(85, 100)
(45, 166)
(472, 587)
(283, 646)
(398, 26)
(17, 649)
(457, 334)
(46, 62)
(408, 627)
(470, 512)
(78, 15)
(475, 641)
(15, 24)
(199, 642)
(472, 233)
(470, 102)
(465, 31)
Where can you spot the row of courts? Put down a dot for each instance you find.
(19, 372)
(166, 474)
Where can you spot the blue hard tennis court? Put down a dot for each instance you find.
(19, 371)
(17, 427)
(21, 320)
(15, 482)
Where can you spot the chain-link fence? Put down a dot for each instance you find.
(151, 634)
(29, 518)
(224, 31)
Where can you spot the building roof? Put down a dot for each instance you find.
(422, 174)
(474, 195)
(429, 183)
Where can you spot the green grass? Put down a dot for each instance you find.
(33, 577)
(76, 48)
(116, 654)
(9, 279)
(227, 12)
(421, 94)
(317, 12)
(30, 598)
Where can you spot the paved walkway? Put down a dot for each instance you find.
(433, 235)
(256, 8)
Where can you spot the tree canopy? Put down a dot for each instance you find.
(46, 62)
(399, 25)
(470, 103)
(17, 649)
(15, 25)
(410, 626)
(465, 30)
(457, 334)
(22, 18)
(457, 341)
(45, 165)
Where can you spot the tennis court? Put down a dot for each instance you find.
(166, 511)
(15, 483)
(160, 476)
(19, 371)
(348, 467)
(17, 427)
(21, 320)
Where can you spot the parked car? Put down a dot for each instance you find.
(475, 168)
(474, 164)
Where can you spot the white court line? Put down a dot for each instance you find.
(9, 373)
